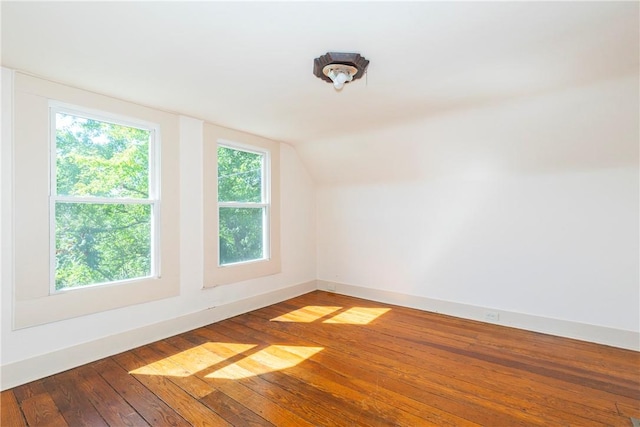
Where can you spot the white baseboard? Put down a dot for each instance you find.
(563, 328)
(27, 370)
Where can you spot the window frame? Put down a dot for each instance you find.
(153, 197)
(213, 273)
(30, 133)
(264, 204)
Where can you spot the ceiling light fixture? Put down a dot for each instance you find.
(340, 68)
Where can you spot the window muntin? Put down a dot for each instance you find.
(103, 209)
(243, 205)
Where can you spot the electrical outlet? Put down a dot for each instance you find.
(492, 316)
(331, 287)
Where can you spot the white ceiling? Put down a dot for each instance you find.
(248, 66)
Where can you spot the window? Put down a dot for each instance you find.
(93, 229)
(243, 205)
(104, 205)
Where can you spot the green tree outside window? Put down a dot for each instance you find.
(103, 211)
(242, 207)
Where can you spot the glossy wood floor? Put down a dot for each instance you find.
(329, 360)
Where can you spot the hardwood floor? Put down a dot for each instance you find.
(324, 359)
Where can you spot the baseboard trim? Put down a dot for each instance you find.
(24, 371)
(563, 328)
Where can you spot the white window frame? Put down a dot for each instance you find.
(29, 132)
(213, 273)
(152, 200)
(265, 203)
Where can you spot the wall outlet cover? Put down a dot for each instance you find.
(492, 316)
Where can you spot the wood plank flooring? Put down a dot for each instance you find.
(324, 359)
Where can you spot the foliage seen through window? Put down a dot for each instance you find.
(103, 211)
(242, 206)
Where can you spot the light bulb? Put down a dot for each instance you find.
(337, 73)
(339, 80)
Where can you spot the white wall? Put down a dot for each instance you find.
(526, 207)
(33, 352)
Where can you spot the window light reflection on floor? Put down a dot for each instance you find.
(195, 359)
(225, 360)
(206, 356)
(357, 316)
(270, 359)
(307, 314)
(351, 316)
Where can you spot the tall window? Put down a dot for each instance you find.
(104, 203)
(243, 204)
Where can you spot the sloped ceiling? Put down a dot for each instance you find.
(248, 66)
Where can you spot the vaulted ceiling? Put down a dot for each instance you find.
(248, 66)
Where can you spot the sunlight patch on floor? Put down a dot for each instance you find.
(270, 359)
(358, 316)
(307, 314)
(193, 360)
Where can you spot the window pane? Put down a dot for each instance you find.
(241, 231)
(101, 159)
(239, 176)
(99, 243)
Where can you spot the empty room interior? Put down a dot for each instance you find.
(320, 213)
